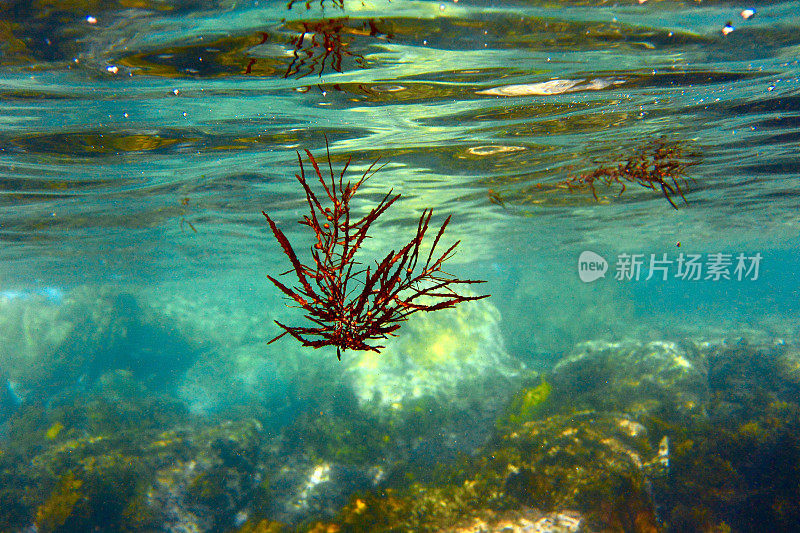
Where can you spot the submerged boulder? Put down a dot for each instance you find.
(600, 464)
(439, 355)
(583, 472)
(123, 477)
(724, 412)
(52, 345)
(631, 376)
(736, 466)
(233, 369)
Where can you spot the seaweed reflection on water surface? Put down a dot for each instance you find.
(658, 165)
(320, 42)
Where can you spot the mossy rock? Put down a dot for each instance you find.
(77, 483)
(733, 471)
(630, 376)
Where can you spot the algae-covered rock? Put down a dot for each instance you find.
(630, 376)
(739, 472)
(72, 485)
(304, 489)
(212, 474)
(598, 466)
(261, 526)
(338, 446)
(736, 466)
(81, 465)
(752, 373)
(53, 513)
(788, 366)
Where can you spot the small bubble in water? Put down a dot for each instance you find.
(91, 20)
(112, 69)
(176, 92)
(747, 13)
(441, 7)
(728, 28)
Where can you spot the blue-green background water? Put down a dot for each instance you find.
(140, 141)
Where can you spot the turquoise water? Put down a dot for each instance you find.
(140, 141)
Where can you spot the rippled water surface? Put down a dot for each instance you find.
(477, 107)
(140, 140)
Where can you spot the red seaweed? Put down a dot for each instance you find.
(349, 305)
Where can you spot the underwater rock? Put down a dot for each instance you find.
(738, 467)
(526, 521)
(232, 367)
(189, 478)
(435, 355)
(51, 345)
(752, 368)
(206, 322)
(72, 485)
(210, 485)
(598, 464)
(343, 447)
(222, 381)
(734, 463)
(582, 472)
(302, 489)
(788, 365)
(630, 376)
(33, 330)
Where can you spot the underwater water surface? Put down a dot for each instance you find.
(624, 176)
